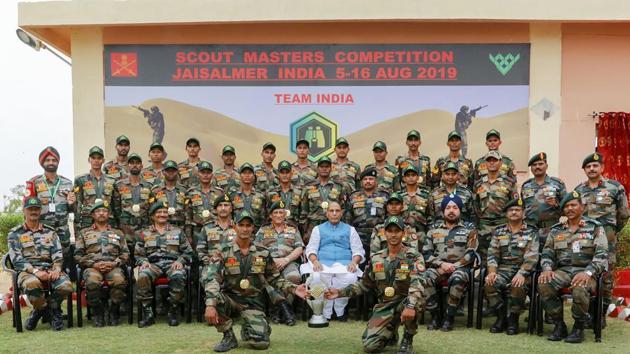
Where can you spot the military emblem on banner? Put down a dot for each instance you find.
(124, 64)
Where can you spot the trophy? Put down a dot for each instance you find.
(316, 288)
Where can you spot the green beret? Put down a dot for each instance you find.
(246, 166)
(170, 164)
(99, 203)
(269, 145)
(284, 165)
(122, 138)
(227, 149)
(244, 215)
(394, 197)
(204, 165)
(541, 156)
(32, 202)
(454, 134)
(134, 156)
(96, 150)
(413, 134)
(595, 157)
(276, 205)
(156, 206)
(369, 172)
(493, 132)
(451, 166)
(156, 146)
(224, 198)
(410, 167)
(395, 220)
(341, 140)
(569, 197)
(514, 202)
(379, 145)
(323, 160)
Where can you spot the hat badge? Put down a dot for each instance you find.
(576, 194)
(595, 157)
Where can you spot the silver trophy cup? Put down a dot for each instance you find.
(317, 288)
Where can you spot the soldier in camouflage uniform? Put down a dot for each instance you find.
(512, 256)
(188, 172)
(289, 193)
(417, 204)
(415, 158)
(56, 196)
(491, 193)
(344, 171)
(284, 242)
(387, 175)
(153, 172)
(173, 194)
(215, 235)
(366, 207)
(411, 237)
(237, 284)
(449, 185)
(227, 178)
(448, 251)
(92, 187)
(303, 170)
(575, 252)
(161, 250)
(265, 172)
(117, 168)
(35, 251)
(606, 201)
(395, 274)
(317, 195)
(493, 142)
(101, 250)
(464, 164)
(130, 202)
(542, 195)
(249, 198)
(201, 198)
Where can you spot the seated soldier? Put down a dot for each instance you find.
(512, 256)
(411, 237)
(35, 251)
(215, 235)
(101, 250)
(161, 249)
(395, 274)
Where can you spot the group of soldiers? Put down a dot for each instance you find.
(246, 227)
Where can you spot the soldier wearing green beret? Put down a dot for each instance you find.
(465, 165)
(153, 172)
(344, 171)
(290, 193)
(171, 192)
(227, 177)
(188, 172)
(493, 142)
(117, 168)
(265, 172)
(411, 238)
(201, 198)
(386, 174)
(449, 185)
(303, 170)
(415, 158)
(92, 187)
(248, 198)
(418, 207)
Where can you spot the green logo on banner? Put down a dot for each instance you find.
(319, 131)
(504, 63)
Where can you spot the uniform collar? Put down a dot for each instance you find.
(40, 227)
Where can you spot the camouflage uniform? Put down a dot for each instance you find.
(198, 203)
(265, 178)
(151, 175)
(57, 219)
(537, 212)
(507, 168)
(403, 274)
(388, 179)
(346, 174)
(94, 246)
(315, 193)
(125, 197)
(422, 164)
(226, 180)
(465, 171)
(40, 249)
(292, 200)
(364, 212)
(188, 173)
(161, 250)
(567, 254)
(303, 175)
(511, 254)
(174, 198)
(281, 244)
(255, 203)
(412, 239)
(116, 170)
(211, 240)
(463, 193)
(417, 209)
(88, 189)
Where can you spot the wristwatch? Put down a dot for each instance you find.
(590, 274)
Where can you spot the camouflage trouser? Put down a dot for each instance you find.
(457, 282)
(485, 234)
(34, 290)
(383, 323)
(581, 295)
(611, 235)
(255, 325)
(176, 282)
(292, 274)
(504, 283)
(94, 281)
(130, 235)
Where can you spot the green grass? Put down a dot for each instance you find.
(338, 338)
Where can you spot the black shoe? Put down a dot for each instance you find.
(406, 344)
(287, 313)
(559, 332)
(548, 319)
(147, 316)
(114, 314)
(577, 334)
(56, 320)
(512, 327)
(447, 326)
(173, 321)
(499, 324)
(276, 317)
(33, 318)
(99, 317)
(343, 318)
(227, 343)
(436, 321)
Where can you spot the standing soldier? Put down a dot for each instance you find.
(448, 251)
(414, 157)
(227, 178)
(289, 193)
(237, 285)
(542, 195)
(172, 194)
(411, 237)
(575, 253)
(249, 198)
(317, 195)
(101, 251)
(201, 198)
(161, 249)
(387, 175)
(215, 235)
(117, 168)
(604, 200)
(92, 187)
(265, 172)
(512, 256)
(303, 170)
(285, 245)
(493, 142)
(395, 274)
(35, 251)
(449, 185)
(366, 207)
(188, 172)
(130, 202)
(344, 171)
(465, 166)
(153, 172)
(56, 196)
(417, 204)
(492, 193)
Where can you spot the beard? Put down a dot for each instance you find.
(134, 171)
(51, 168)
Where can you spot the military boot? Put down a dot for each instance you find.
(499, 324)
(147, 316)
(512, 327)
(227, 343)
(114, 314)
(33, 318)
(287, 314)
(276, 317)
(172, 315)
(559, 331)
(99, 316)
(406, 344)
(577, 333)
(57, 319)
(436, 320)
(449, 322)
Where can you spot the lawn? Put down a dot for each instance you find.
(338, 338)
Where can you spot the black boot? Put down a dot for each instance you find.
(449, 322)
(436, 320)
(172, 315)
(57, 319)
(99, 316)
(276, 317)
(147, 316)
(33, 318)
(287, 313)
(577, 334)
(227, 343)
(114, 314)
(393, 327)
(499, 324)
(512, 327)
(559, 332)
(406, 344)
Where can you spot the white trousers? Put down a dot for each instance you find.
(337, 281)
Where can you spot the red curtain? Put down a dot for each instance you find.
(613, 140)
